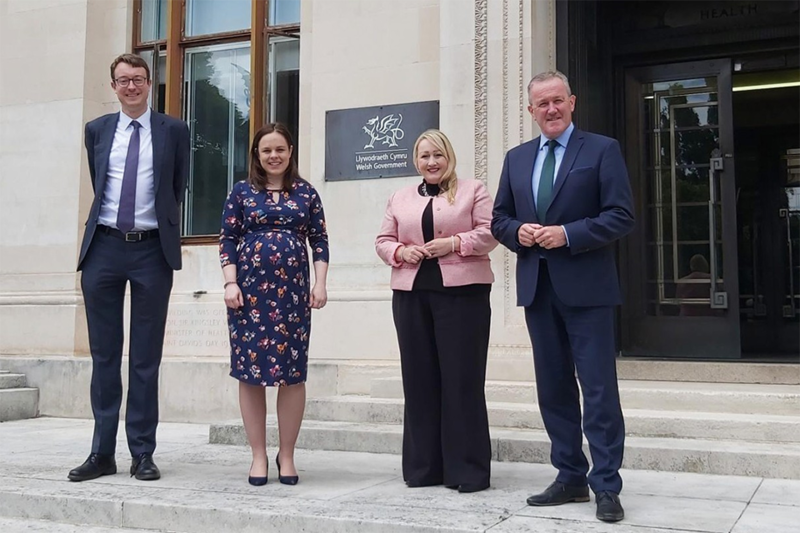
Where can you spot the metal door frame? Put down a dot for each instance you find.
(703, 337)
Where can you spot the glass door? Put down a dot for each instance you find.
(680, 265)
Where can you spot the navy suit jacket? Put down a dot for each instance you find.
(170, 173)
(591, 199)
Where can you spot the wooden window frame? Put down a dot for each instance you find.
(175, 45)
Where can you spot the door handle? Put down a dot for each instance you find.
(789, 311)
(719, 299)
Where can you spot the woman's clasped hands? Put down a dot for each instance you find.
(413, 253)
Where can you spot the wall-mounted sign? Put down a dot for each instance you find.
(375, 142)
(657, 15)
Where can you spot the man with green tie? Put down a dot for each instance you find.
(563, 201)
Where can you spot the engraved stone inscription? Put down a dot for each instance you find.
(196, 330)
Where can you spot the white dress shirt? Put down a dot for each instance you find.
(560, 148)
(145, 211)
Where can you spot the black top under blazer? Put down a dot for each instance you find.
(170, 172)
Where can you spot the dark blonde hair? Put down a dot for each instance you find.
(439, 140)
(258, 176)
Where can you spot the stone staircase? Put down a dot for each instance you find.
(17, 400)
(746, 429)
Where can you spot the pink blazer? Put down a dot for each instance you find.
(469, 217)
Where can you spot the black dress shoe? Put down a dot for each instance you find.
(609, 509)
(95, 466)
(473, 487)
(558, 493)
(286, 480)
(144, 469)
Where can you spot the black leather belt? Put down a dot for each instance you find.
(131, 236)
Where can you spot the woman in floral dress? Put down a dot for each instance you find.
(266, 222)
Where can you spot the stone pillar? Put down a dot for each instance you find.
(489, 52)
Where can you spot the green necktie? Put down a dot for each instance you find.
(545, 194)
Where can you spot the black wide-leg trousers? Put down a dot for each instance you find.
(444, 340)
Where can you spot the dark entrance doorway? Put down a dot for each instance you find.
(705, 99)
(766, 118)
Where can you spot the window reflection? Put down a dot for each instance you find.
(284, 12)
(681, 134)
(284, 83)
(158, 93)
(204, 17)
(218, 97)
(154, 20)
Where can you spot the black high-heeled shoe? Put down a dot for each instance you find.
(256, 480)
(286, 480)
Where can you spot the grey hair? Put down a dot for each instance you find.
(548, 75)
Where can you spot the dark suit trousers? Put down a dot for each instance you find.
(110, 265)
(444, 340)
(565, 338)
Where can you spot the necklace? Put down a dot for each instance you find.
(429, 191)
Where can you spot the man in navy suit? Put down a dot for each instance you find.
(563, 200)
(138, 162)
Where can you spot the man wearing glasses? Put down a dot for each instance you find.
(138, 163)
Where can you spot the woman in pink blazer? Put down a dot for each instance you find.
(436, 237)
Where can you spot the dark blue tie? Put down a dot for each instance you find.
(545, 193)
(127, 197)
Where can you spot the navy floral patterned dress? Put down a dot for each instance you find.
(266, 239)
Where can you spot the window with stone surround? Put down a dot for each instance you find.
(226, 67)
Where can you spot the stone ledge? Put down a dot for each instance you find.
(533, 446)
(741, 398)
(638, 422)
(18, 404)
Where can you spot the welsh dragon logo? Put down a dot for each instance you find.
(384, 130)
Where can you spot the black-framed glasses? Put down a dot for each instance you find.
(138, 81)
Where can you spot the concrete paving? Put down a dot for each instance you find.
(204, 490)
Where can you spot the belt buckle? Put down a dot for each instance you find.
(133, 236)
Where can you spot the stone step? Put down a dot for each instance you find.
(11, 525)
(638, 422)
(270, 509)
(356, 376)
(12, 381)
(743, 458)
(18, 404)
(654, 395)
(517, 365)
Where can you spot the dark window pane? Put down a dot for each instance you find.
(695, 147)
(160, 83)
(284, 83)
(692, 184)
(693, 223)
(219, 118)
(158, 73)
(204, 17)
